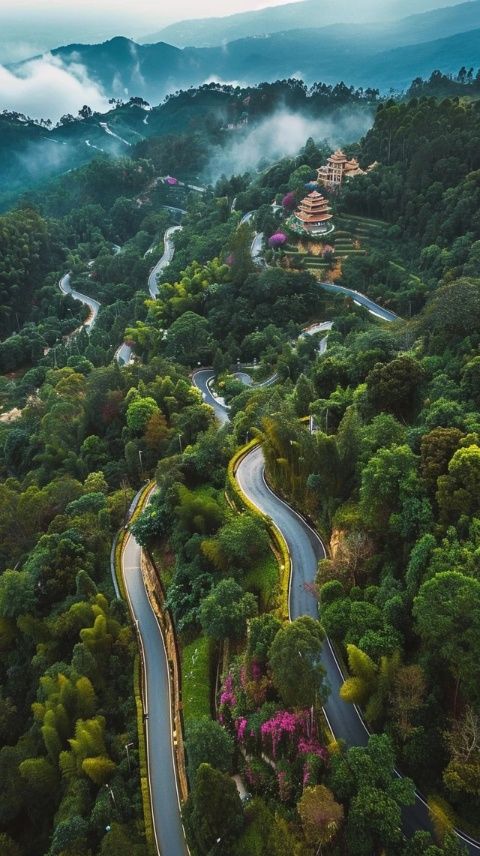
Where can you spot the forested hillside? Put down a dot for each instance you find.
(212, 117)
(369, 425)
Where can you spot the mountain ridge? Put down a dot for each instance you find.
(358, 54)
(211, 32)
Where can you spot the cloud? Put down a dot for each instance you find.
(18, 50)
(283, 134)
(45, 88)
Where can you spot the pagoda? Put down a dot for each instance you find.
(337, 169)
(313, 214)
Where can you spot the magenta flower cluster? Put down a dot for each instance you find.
(240, 728)
(227, 695)
(278, 727)
(277, 240)
(311, 747)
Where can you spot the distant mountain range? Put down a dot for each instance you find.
(209, 32)
(383, 55)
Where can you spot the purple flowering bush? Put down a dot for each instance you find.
(280, 748)
(277, 240)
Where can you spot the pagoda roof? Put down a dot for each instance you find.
(314, 208)
(313, 216)
(314, 200)
(314, 195)
(338, 157)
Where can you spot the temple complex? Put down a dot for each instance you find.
(337, 169)
(313, 214)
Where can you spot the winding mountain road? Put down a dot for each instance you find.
(124, 354)
(65, 286)
(361, 300)
(163, 263)
(165, 800)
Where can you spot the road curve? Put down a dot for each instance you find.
(306, 549)
(163, 263)
(65, 285)
(203, 380)
(164, 796)
(256, 250)
(361, 300)
(124, 354)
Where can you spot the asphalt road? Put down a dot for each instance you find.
(202, 379)
(163, 784)
(167, 257)
(257, 248)
(361, 300)
(93, 305)
(306, 549)
(123, 354)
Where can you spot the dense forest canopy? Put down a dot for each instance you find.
(389, 475)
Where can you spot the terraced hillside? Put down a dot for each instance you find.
(351, 237)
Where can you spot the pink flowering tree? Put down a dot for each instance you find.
(277, 240)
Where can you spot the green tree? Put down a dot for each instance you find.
(16, 593)
(240, 542)
(69, 833)
(453, 312)
(447, 618)
(225, 611)
(208, 743)
(213, 813)
(381, 483)
(139, 413)
(436, 451)
(366, 779)
(394, 387)
(261, 633)
(189, 339)
(459, 491)
(295, 662)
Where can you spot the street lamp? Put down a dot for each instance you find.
(128, 746)
(141, 463)
(111, 794)
(180, 442)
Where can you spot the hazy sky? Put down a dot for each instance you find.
(30, 26)
(156, 11)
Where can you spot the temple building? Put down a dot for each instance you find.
(313, 214)
(337, 169)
